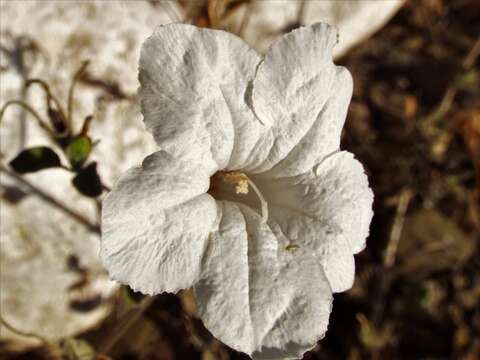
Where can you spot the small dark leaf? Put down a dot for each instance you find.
(35, 159)
(78, 150)
(132, 297)
(87, 181)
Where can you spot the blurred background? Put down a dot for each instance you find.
(414, 123)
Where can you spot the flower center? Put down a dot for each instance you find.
(235, 186)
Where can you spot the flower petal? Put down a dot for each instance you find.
(193, 91)
(326, 211)
(155, 225)
(340, 194)
(323, 138)
(291, 88)
(306, 234)
(257, 297)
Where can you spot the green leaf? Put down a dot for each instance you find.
(87, 181)
(35, 159)
(78, 150)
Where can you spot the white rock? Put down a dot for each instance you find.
(355, 19)
(36, 238)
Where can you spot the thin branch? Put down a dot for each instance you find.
(46, 88)
(169, 10)
(386, 274)
(472, 55)
(397, 227)
(21, 332)
(48, 198)
(449, 96)
(301, 12)
(127, 324)
(245, 18)
(76, 77)
(43, 124)
(23, 118)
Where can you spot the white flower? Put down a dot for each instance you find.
(250, 200)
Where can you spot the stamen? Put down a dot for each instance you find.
(242, 182)
(263, 202)
(237, 178)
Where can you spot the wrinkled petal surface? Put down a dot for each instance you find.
(340, 195)
(211, 103)
(291, 88)
(323, 137)
(255, 295)
(326, 210)
(193, 90)
(199, 87)
(155, 224)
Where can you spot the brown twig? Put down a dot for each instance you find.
(49, 94)
(128, 321)
(451, 92)
(245, 18)
(169, 10)
(472, 55)
(301, 12)
(42, 123)
(71, 91)
(397, 227)
(16, 331)
(386, 273)
(16, 56)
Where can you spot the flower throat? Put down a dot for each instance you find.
(235, 186)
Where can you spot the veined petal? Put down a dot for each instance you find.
(306, 234)
(222, 294)
(257, 297)
(323, 137)
(193, 93)
(291, 88)
(155, 224)
(340, 194)
(326, 211)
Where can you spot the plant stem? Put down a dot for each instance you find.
(397, 227)
(48, 198)
(21, 332)
(127, 324)
(46, 88)
(76, 77)
(27, 107)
